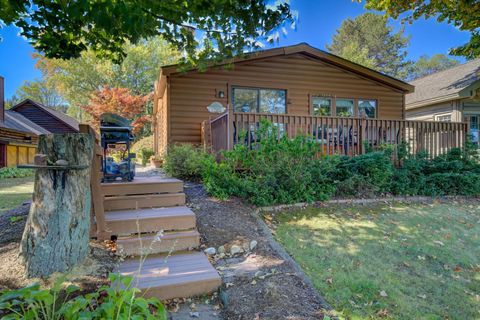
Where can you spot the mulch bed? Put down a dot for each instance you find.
(257, 284)
(91, 274)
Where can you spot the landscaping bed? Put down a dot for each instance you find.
(257, 283)
(89, 275)
(389, 260)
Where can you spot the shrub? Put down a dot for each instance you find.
(119, 301)
(144, 149)
(185, 161)
(145, 155)
(12, 172)
(283, 171)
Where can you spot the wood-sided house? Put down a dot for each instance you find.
(299, 88)
(22, 124)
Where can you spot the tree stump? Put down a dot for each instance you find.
(56, 234)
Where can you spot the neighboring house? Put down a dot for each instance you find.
(21, 126)
(52, 120)
(449, 95)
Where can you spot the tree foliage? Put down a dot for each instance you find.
(41, 91)
(65, 29)
(463, 14)
(119, 101)
(426, 65)
(369, 40)
(77, 79)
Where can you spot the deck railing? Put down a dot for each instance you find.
(341, 135)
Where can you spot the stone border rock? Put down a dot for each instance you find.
(413, 199)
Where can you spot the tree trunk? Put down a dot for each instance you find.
(56, 235)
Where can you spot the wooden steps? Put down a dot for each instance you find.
(180, 275)
(143, 185)
(152, 244)
(149, 218)
(144, 201)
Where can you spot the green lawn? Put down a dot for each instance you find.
(14, 191)
(393, 261)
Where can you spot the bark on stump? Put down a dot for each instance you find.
(56, 234)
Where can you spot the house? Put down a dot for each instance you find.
(50, 119)
(21, 125)
(299, 88)
(448, 95)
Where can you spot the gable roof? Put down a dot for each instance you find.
(69, 121)
(452, 83)
(15, 121)
(313, 52)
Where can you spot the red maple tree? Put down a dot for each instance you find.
(119, 101)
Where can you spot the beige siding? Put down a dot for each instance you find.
(301, 76)
(429, 113)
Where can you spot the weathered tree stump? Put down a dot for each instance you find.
(56, 234)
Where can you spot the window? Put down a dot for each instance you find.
(344, 107)
(367, 108)
(444, 118)
(321, 106)
(259, 100)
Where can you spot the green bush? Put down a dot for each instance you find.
(284, 171)
(145, 155)
(12, 172)
(144, 149)
(119, 301)
(185, 161)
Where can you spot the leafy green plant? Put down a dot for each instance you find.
(12, 172)
(186, 161)
(282, 171)
(145, 155)
(119, 301)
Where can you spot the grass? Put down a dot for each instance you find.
(392, 261)
(15, 191)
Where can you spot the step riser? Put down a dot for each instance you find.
(126, 189)
(184, 290)
(133, 247)
(119, 228)
(167, 200)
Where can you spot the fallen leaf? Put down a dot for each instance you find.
(383, 313)
(439, 242)
(423, 296)
(457, 269)
(383, 293)
(329, 280)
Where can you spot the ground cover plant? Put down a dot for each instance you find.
(15, 191)
(293, 170)
(394, 261)
(119, 301)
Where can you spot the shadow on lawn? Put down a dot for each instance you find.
(390, 260)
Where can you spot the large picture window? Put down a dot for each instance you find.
(367, 108)
(321, 106)
(345, 107)
(259, 100)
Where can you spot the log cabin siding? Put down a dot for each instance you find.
(303, 77)
(44, 119)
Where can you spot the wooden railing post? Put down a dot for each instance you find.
(99, 230)
(363, 133)
(230, 127)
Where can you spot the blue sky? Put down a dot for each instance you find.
(318, 20)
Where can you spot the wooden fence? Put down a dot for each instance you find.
(341, 135)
